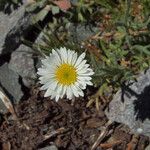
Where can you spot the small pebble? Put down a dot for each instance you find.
(139, 130)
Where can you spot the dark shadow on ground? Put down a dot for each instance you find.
(142, 105)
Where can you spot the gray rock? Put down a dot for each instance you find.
(9, 82)
(81, 32)
(22, 62)
(52, 147)
(12, 28)
(148, 147)
(131, 105)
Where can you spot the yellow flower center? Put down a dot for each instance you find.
(66, 74)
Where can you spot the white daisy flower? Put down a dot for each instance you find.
(64, 73)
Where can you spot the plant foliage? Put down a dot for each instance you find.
(122, 43)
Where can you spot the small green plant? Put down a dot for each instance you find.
(122, 41)
(128, 52)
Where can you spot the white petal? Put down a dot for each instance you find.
(84, 78)
(59, 90)
(48, 92)
(47, 85)
(53, 95)
(57, 98)
(64, 91)
(63, 54)
(74, 90)
(46, 71)
(85, 73)
(89, 83)
(42, 71)
(51, 89)
(78, 90)
(54, 62)
(85, 67)
(74, 58)
(80, 84)
(50, 63)
(70, 56)
(69, 93)
(84, 83)
(82, 64)
(46, 78)
(57, 56)
(79, 60)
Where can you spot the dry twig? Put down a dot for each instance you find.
(102, 135)
(55, 132)
(132, 145)
(110, 145)
(8, 105)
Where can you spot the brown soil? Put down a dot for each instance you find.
(69, 126)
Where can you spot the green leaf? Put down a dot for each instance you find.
(39, 16)
(15, 1)
(37, 5)
(55, 10)
(80, 17)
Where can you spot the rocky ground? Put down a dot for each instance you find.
(46, 125)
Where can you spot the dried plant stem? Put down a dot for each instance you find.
(110, 145)
(102, 135)
(55, 132)
(134, 141)
(8, 105)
